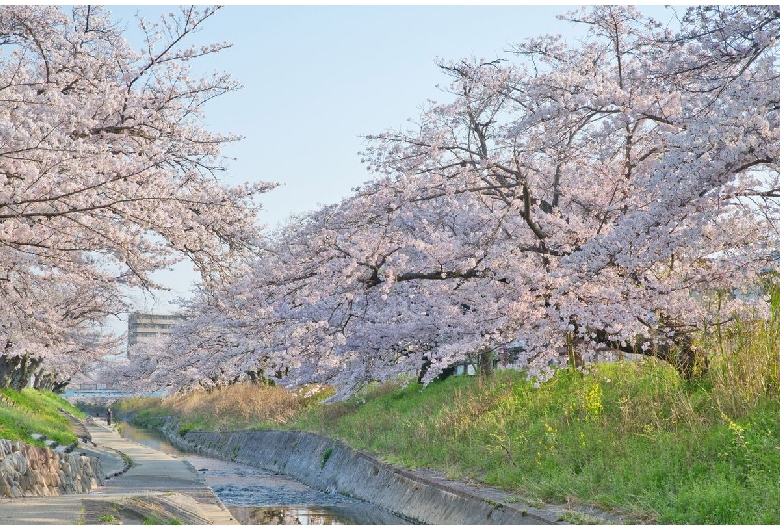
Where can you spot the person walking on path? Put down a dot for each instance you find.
(109, 414)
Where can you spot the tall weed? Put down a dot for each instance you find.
(235, 407)
(745, 365)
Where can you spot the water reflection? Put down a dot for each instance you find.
(148, 438)
(287, 515)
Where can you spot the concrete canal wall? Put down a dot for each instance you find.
(332, 466)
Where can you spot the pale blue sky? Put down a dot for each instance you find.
(316, 78)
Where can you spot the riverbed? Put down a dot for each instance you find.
(256, 496)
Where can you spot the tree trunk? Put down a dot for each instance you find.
(45, 380)
(59, 386)
(573, 353)
(681, 354)
(686, 359)
(15, 372)
(486, 362)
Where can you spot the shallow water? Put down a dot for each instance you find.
(256, 496)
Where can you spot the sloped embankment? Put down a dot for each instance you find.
(332, 466)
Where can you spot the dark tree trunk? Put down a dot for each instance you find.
(45, 380)
(59, 386)
(686, 359)
(681, 354)
(15, 372)
(486, 362)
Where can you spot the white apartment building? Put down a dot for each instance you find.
(144, 326)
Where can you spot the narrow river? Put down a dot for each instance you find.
(255, 496)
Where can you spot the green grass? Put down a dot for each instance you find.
(150, 413)
(631, 438)
(35, 412)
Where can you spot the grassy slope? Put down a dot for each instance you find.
(35, 412)
(629, 437)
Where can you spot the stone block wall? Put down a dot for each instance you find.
(28, 471)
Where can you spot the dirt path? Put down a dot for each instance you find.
(156, 487)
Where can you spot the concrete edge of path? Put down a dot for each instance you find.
(113, 503)
(160, 508)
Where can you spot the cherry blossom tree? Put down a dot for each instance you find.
(626, 206)
(106, 175)
(584, 198)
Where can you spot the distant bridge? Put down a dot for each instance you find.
(103, 395)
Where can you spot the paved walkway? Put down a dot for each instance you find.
(157, 486)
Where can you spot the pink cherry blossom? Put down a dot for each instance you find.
(106, 175)
(609, 194)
